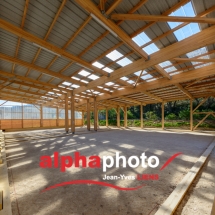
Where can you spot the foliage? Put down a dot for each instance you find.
(171, 116)
(151, 115)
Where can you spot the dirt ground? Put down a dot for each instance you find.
(27, 179)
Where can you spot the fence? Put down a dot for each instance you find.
(15, 115)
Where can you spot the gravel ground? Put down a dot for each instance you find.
(27, 179)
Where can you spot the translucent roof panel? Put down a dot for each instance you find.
(93, 77)
(167, 63)
(139, 72)
(145, 77)
(114, 55)
(66, 83)
(75, 78)
(188, 30)
(197, 53)
(124, 78)
(124, 62)
(150, 49)
(107, 69)
(84, 73)
(75, 86)
(97, 64)
(141, 39)
(130, 81)
(109, 83)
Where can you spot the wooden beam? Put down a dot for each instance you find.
(137, 6)
(184, 91)
(45, 86)
(49, 30)
(113, 6)
(102, 6)
(77, 32)
(202, 102)
(91, 8)
(167, 12)
(38, 68)
(152, 96)
(204, 37)
(129, 99)
(161, 18)
(194, 60)
(34, 39)
(162, 71)
(22, 25)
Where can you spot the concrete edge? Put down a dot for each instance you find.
(4, 180)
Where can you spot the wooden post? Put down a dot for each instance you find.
(82, 118)
(41, 116)
(125, 117)
(22, 116)
(98, 118)
(141, 116)
(118, 116)
(72, 107)
(57, 114)
(106, 117)
(191, 114)
(213, 208)
(66, 114)
(162, 115)
(95, 115)
(88, 115)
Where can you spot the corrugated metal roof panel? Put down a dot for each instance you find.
(27, 51)
(5, 66)
(8, 43)
(40, 16)
(12, 11)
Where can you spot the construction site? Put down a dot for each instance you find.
(107, 107)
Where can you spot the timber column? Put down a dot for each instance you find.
(141, 116)
(66, 114)
(162, 115)
(41, 116)
(57, 122)
(191, 114)
(88, 115)
(118, 116)
(106, 117)
(72, 106)
(95, 115)
(125, 117)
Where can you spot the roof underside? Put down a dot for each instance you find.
(51, 49)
